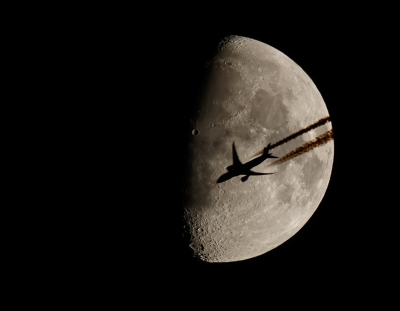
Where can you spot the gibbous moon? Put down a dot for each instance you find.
(254, 95)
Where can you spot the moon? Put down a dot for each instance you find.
(253, 95)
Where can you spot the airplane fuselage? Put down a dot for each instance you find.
(249, 165)
(242, 169)
(238, 168)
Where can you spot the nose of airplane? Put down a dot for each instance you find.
(223, 178)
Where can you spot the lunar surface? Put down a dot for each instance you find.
(254, 95)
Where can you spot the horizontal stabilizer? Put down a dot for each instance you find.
(266, 152)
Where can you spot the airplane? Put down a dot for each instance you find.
(238, 168)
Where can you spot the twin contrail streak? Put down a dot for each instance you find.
(297, 134)
(318, 141)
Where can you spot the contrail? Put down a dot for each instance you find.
(297, 134)
(318, 141)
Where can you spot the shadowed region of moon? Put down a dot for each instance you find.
(253, 95)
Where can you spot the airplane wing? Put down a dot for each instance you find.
(235, 157)
(256, 173)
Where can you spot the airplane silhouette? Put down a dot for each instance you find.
(238, 168)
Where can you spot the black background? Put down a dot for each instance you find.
(139, 80)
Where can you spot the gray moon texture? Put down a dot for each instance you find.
(254, 95)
